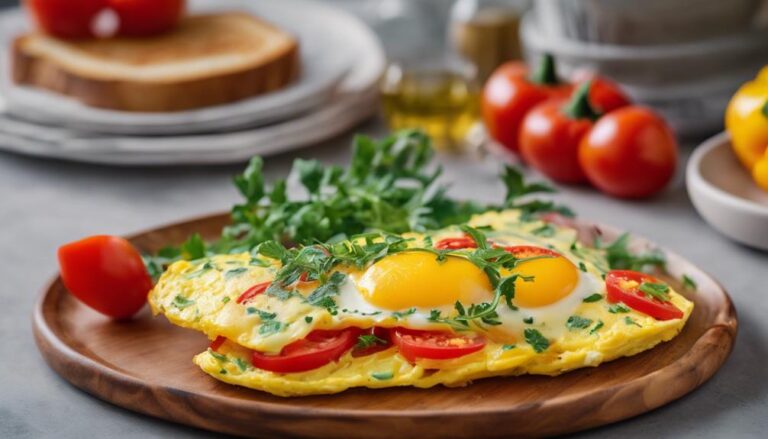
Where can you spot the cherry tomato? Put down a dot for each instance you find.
(66, 18)
(436, 345)
(509, 94)
(604, 94)
(529, 251)
(455, 243)
(383, 343)
(106, 273)
(216, 344)
(624, 286)
(319, 348)
(629, 153)
(147, 17)
(253, 291)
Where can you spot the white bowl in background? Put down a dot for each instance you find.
(725, 195)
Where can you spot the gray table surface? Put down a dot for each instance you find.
(46, 203)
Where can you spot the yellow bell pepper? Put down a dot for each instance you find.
(746, 119)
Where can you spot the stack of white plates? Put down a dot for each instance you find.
(341, 58)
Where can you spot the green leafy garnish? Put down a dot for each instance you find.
(229, 274)
(618, 308)
(242, 364)
(220, 357)
(620, 257)
(400, 314)
(182, 302)
(577, 322)
(593, 298)
(263, 315)
(582, 267)
(368, 340)
(538, 342)
(508, 347)
(688, 283)
(597, 327)
(270, 327)
(628, 320)
(225, 299)
(546, 231)
(308, 319)
(382, 376)
(657, 291)
(528, 320)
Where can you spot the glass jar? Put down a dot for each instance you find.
(485, 33)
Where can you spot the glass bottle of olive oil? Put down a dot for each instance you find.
(441, 101)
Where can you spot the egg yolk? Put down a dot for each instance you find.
(553, 279)
(418, 279)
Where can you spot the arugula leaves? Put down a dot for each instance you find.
(620, 257)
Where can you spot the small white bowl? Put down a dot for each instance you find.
(725, 195)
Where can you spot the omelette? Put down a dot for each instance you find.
(503, 295)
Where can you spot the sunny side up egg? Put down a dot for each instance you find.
(408, 290)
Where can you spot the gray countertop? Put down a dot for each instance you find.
(46, 203)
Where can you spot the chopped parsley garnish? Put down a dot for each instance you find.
(225, 299)
(182, 302)
(217, 356)
(270, 327)
(382, 376)
(628, 320)
(508, 347)
(657, 291)
(207, 266)
(223, 371)
(308, 319)
(229, 274)
(368, 340)
(242, 364)
(618, 308)
(577, 322)
(597, 327)
(538, 342)
(688, 283)
(528, 320)
(546, 231)
(619, 256)
(400, 314)
(593, 298)
(263, 315)
(582, 267)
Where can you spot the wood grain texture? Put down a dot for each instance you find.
(145, 365)
(274, 71)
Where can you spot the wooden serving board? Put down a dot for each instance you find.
(145, 365)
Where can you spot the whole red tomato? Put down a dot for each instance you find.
(551, 132)
(509, 94)
(604, 94)
(147, 17)
(630, 153)
(66, 18)
(106, 273)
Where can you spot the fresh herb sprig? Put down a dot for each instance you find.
(389, 185)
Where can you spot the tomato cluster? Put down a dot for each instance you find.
(585, 131)
(75, 18)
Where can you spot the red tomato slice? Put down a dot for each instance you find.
(252, 292)
(216, 344)
(382, 334)
(529, 251)
(147, 17)
(319, 348)
(455, 243)
(615, 283)
(106, 273)
(435, 345)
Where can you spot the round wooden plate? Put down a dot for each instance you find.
(145, 365)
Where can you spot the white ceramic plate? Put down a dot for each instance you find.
(353, 101)
(328, 45)
(725, 195)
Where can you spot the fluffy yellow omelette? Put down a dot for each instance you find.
(561, 319)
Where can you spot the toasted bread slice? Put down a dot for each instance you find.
(208, 60)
